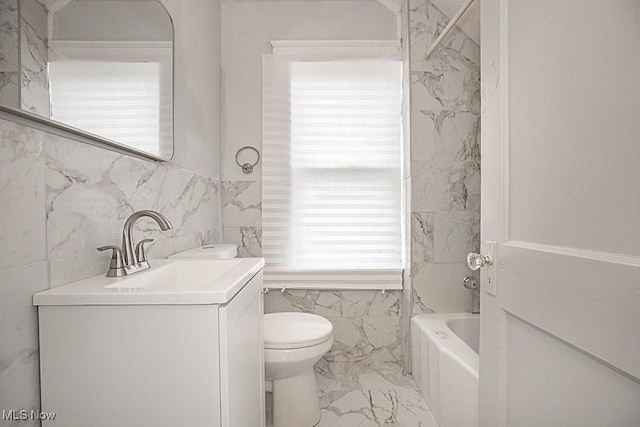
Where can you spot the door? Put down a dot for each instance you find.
(560, 306)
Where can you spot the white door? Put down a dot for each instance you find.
(560, 341)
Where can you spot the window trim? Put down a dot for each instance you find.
(338, 49)
(353, 279)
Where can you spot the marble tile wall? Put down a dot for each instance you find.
(24, 82)
(445, 162)
(407, 291)
(34, 78)
(9, 66)
(59, 200)
(242, 216)
(366, 323)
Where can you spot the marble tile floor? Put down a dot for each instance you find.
(369, 394)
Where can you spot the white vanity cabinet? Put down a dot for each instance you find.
(160, 364)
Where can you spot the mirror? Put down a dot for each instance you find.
(102, 69)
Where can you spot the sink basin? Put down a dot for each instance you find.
(173, 281)
(179, 274)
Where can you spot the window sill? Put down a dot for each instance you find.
(334, 280)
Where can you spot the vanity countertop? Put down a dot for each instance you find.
(167, 282)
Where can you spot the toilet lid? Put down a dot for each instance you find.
(295, 330)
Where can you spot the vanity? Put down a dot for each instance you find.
(179, 344)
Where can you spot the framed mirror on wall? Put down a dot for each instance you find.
(99, 69)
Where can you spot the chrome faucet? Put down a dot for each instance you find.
(129, 260)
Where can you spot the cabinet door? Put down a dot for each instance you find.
(242, 357)
(130, 365)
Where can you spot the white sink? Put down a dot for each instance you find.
(174, 281)
(179, 274)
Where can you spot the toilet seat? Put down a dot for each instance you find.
(295, 330)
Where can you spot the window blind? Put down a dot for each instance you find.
(120, 98)
(332, 173)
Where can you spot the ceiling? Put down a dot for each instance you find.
(469, 23)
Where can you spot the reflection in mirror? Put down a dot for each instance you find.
(101, 66)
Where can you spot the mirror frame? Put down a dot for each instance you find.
(36, 121)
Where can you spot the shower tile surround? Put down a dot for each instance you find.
(445, 162)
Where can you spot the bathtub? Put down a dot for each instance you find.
(445, 365)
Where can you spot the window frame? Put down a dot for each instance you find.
(385, 279)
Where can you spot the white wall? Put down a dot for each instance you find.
(247, 30)
(197, 85)
(112, 20)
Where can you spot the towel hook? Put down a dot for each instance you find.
(247, 167)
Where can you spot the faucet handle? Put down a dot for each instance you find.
(116, 266)
(470, 283)
(140, 251)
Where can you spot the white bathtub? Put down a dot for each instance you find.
(445, 365)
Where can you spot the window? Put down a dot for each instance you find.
(332, 178)
(119, 93)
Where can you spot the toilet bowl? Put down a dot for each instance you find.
(293, 343)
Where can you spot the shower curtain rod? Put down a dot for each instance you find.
(448, 28)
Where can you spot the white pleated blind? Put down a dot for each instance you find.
(332, 173)
(119, 99)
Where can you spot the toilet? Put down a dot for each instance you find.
(293, 343)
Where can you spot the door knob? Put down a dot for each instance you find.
(476, 261)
